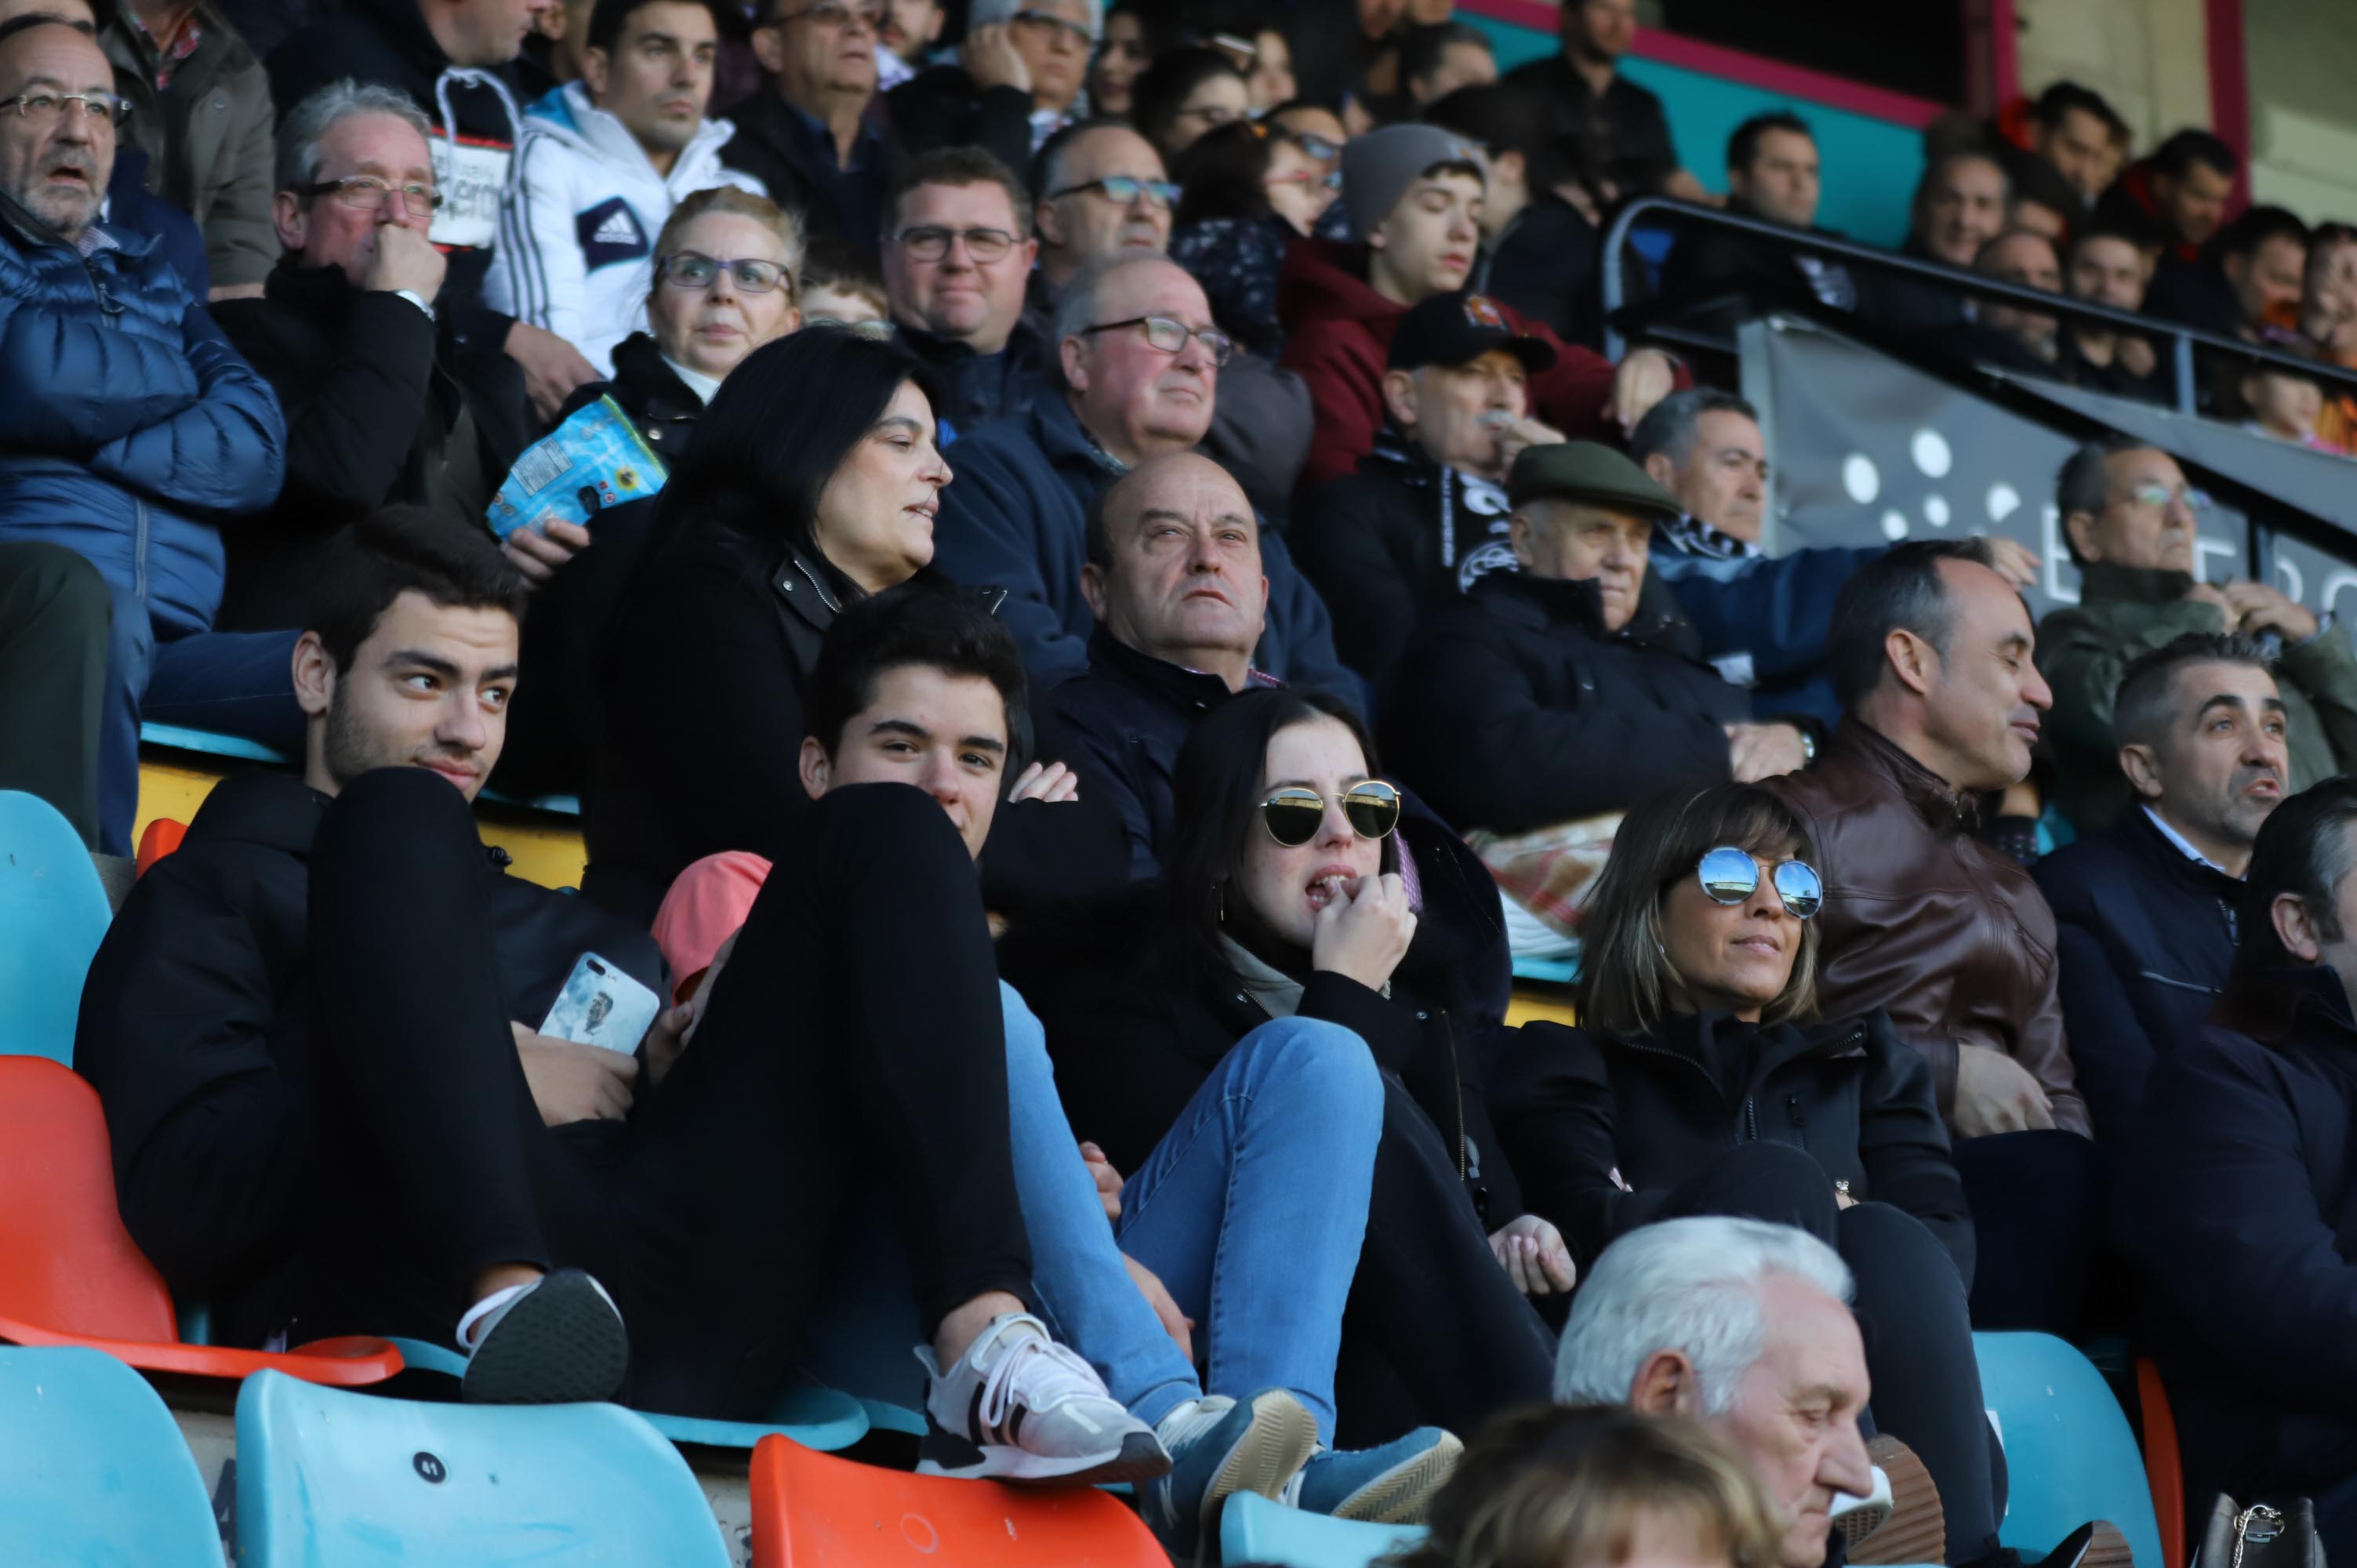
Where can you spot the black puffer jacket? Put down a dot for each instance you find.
(1574, 1106)
(1516, 709)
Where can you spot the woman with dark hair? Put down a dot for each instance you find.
(1249, 190)
(1184, 93)
(1300, 887)
(1126, 44)
(1700, 1082)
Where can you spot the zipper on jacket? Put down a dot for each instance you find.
(139, 551)
(1457, 1092)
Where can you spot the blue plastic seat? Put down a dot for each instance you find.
(1253, 1530)
(53, 915)
(208, 743)
(330, 1479)
(2068, 1450)
(93, 1470)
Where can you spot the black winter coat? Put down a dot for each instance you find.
(985, 387)
(770, 145)
(944, 107)
(194, 1031)
(663, 408)
(1516, 710)
(1575, 1106)
(2147, 940)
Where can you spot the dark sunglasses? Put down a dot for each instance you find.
(1293, 816)
(1729, 875)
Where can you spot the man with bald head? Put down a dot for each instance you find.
(133, 427)
(1141, 369)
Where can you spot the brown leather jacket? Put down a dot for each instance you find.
(1953, 940)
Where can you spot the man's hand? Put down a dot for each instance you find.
(990, 57)
(2135, 355)
(1532, 1252)
(1045, 781)
(405, 258)
(552, 368)
(1108, 1178)
(1645, 377)
(2017, 563)
(1513, 437)
(1763, 751)
(1996, 1094)
(2263, 608)
(575, 1083)
(1365, 931)
(538, 550)
(1177, 1324)
(2211, 594)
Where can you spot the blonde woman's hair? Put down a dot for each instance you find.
(1569, 1487)
(1626, 982)
(741, 203)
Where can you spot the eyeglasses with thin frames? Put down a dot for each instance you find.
(696, 271)
(2155, 494)
(1121, 189)
(930, 243)
(833, 14)
(1293, 815)
(1079, 35)
(47, 108)
(367, 193)
(1170, 336)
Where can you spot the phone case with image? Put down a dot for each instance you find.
(601, 1005)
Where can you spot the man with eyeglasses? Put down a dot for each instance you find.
(602, 163)
(2133, 526)
(1016, 77)
(1141, 365)
(957, 257)
(812, 133)
(133, 429)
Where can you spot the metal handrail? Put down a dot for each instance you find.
(2184, 340)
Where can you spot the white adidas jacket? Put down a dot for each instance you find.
(577, 236)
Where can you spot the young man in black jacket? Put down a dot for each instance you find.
(2146, 909)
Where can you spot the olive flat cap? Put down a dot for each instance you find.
(1584, 471)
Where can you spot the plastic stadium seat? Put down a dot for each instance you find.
(209, 743)
(331, 1479)
(2068, 1448)
(71, 1274)
(2164, 1470)
(53, 915)
(93, 1468)
(814, 1510)
(162, 837)
(1255, 1529)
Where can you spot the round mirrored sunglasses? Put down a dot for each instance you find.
(1730, 875)
(1293, 816)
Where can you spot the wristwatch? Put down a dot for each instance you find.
(416, 299)
(1808, 748)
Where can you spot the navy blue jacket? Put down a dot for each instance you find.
(2147, 940)
(1769, 616)
(134, 428)
(2234, 1200)
(1016, 518)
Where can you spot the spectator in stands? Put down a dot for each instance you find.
(957, 254)
(1932, 660)
(1503, 703)
(1700, 951)
(908, 31)
(2250, 282)
(201, 118)
(2080, 136)
(2179, 194)
(1124, 48)
(1099, 188)
(602, 163)
(1772, 173)
(1959, 207)
(1269, 79)
(1747, 1328)
(369, 1061)
(1426, 515)
(457, 56)
(2231, 1196)
(1184, 93)
(2133, 524)
(1595, 105)
(1013, 85)
(2146, 909)
(1413, 195)
(1538, 212)
(136, 428)
(54, 612)
(1318, 130)
(1582, 1486)
(383, 405)
(2327, 318)
(2040, 199)
(842, 288)
(2105, 266)
(1286, 899)
(1141, 364)
(2283, 403)
(807, 134)
(2010, 336)
(1249, 195)
(1436, 61)
(552, 55)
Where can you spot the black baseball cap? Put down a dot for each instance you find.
(1459, 328)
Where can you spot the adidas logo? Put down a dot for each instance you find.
(619, 229)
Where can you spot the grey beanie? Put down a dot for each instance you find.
(1378, 167)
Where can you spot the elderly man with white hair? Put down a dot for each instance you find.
(1013, 85)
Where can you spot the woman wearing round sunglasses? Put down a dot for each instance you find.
(1701, 1082)
(1298, 887)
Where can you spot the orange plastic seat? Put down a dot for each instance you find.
(2164, 1469)
(814, 1510)
(70, 1272)
(162, 837)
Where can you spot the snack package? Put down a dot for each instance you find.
(594, 460)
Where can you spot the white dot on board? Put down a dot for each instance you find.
(2004, 500)
(1935, 510)
(1894, 524)
(1930, 452)
(1859, 478)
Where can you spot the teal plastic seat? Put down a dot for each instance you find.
(93, 1470)
(330, 1479)
(1253, 1530)
(53, 915)
(2069, 1452)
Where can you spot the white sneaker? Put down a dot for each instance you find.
(1020, 1407)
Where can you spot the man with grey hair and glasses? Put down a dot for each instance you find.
(1013, 85)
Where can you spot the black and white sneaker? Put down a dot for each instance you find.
(1020, 1407)
(559, 1340)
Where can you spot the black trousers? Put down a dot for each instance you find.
(54, 619)
(2039, 1202)
(1911, 1310)
(853, 1038)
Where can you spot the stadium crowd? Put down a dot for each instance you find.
(1132, 596)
